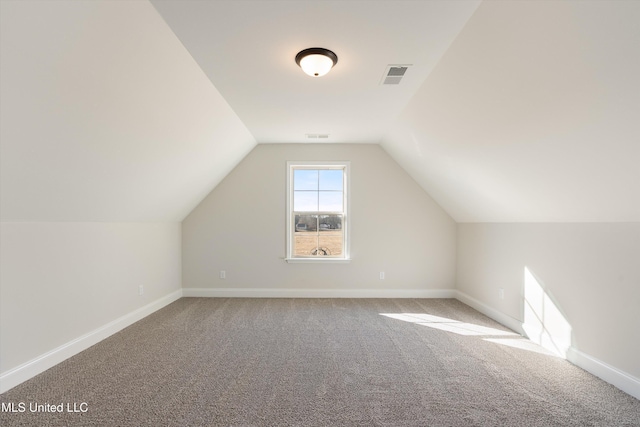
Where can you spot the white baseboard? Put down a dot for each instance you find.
(624, 381)
(317, 293)
(30, 369)
(508, 321)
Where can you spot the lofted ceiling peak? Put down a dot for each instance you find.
(248, 50)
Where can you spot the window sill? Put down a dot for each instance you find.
(318, 260)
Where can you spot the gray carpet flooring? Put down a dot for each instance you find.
(319, 362)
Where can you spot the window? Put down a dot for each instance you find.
(317, 214)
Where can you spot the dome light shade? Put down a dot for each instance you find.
(316, 61)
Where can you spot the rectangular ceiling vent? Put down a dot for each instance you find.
(393, 74)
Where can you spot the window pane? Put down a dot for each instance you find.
(330, 201)
(305, 244)
(305, 179)
(306, 223)
(329, 223)
(330, 243)
(305, 238)
(321, 251)
(330, 235)
(305, 201)
(331, 179)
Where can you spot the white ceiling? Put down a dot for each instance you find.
(247, 49)
(133, 111)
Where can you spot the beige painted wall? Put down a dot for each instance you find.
(590, 270)
(59, 281)
(396, 227)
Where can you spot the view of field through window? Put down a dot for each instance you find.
(318, 205)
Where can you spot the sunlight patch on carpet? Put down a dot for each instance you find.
(448, 325)
(493, 335)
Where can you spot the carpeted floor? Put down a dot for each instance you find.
(319, 362)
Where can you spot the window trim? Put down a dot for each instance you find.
(346, 255)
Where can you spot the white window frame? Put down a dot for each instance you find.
(345, 166)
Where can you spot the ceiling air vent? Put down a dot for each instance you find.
(393, 74)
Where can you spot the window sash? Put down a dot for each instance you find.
(321, 236)
(317, 241)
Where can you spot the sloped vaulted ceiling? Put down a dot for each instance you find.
(106, 117)
(533, 114)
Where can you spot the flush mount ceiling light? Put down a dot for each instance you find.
(316, 61)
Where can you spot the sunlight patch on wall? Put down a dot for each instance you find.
(544, 323)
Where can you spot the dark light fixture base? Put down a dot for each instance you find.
(317, 51)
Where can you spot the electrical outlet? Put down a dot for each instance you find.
(223, 274)
(501, 293)
(140, 290)
(382, 275)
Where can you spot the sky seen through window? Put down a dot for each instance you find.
(317, 190)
